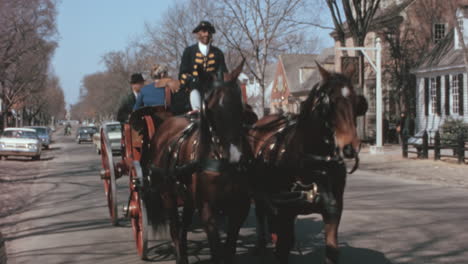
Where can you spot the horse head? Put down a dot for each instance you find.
(335, 101)
(223, 107)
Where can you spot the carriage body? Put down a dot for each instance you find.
(136, 136)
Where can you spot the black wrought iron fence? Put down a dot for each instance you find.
(421, 148)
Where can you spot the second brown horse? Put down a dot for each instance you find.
(196, 163)
(299, 165)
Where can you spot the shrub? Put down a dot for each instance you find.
(451, 129)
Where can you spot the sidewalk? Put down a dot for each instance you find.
(391, 163)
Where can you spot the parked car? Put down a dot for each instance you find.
(85, 134)
(16, 141)
(114, 131)
(45, 135)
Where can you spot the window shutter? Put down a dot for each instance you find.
(461, 96)
(426, 96)
(447, 95)
(438, 95)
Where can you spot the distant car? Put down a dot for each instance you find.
(45, 135)
(114, 132)
(16, 141)
(85, 134)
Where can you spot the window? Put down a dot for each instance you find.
(433, 96)
(455, 95)
(280, 83)
(439, 32)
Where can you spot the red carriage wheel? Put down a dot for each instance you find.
(109, 177)
(138, 215)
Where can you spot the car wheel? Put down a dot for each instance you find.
(79, 142)
(38, 157)
(47, 147)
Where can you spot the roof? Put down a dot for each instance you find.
(390, 12)
(327, 56)
(388, 15)
(20, 129)
(442, 56)
(111, 123)
(292, 63)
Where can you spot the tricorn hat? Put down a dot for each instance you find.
(136, 78)
(205, 25)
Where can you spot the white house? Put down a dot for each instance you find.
(442, 81)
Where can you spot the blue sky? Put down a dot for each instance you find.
(90, 28)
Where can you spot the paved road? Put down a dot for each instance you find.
(60, 217)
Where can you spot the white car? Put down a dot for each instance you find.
(16, 141)
(114, 132)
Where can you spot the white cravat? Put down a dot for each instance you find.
(136, 94)
(204, 48)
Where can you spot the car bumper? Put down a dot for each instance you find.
(27, 153)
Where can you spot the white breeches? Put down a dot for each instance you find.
(195, 99)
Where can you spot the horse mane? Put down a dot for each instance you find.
(309, 102)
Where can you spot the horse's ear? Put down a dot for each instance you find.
(234, 74)
(323, 73)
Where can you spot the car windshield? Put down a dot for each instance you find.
(113, 128)
(41, 131)
(87, 130)
(19, 134)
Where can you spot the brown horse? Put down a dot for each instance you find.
(299, 167)
(196, 163)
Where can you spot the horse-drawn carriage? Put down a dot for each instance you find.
(219, 163)
(135, 138)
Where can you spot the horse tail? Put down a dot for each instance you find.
(154, 201)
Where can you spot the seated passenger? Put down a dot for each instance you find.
(154, 94)
(127, 103)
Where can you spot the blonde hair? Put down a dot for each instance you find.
(158, 71)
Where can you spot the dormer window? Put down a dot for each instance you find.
(439, 32)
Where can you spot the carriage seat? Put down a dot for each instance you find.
(157, 113)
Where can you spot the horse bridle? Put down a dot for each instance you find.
(219, 162)
(324, 100)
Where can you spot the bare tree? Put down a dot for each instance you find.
(27, 28)
(359, 15)
(261, 30)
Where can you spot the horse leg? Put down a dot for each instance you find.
(286, 236)
(175, 230)
(260, 213)
(209, 221)
(187, 216)
(331, 239)
(331, 219)
(236, 217)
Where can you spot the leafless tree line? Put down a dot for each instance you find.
(27, 42)
(257, 30)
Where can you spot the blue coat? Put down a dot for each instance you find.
(150, 96)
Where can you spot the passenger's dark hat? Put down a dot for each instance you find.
(205, 25)
(136, 78)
